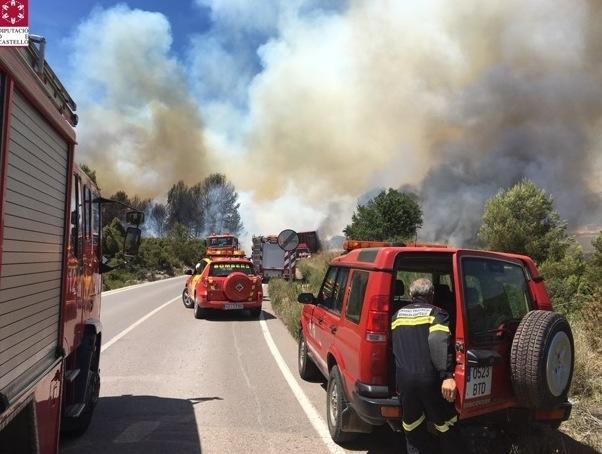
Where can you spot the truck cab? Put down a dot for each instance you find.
(225, 245)
(513, 354)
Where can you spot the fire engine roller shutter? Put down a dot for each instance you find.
(34, 218)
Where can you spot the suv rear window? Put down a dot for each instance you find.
(437, 268)
(495, 292)
(224, 269)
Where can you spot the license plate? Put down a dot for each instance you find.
(478, 382)
(231, 306)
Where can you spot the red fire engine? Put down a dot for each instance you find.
(50, 247)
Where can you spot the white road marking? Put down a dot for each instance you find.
(135, 324)
(132, 287)
(310, 411)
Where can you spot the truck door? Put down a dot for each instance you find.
(493, 297)
(88, 287)
(90, 278)
(72, 313)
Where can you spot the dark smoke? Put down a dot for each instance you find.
(517, 123)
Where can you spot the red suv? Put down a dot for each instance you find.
(224, 283)
(514, 355)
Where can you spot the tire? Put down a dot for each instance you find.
(308, 370)
(188, 303)
(335, 405)
(199, 312)
(541, 360)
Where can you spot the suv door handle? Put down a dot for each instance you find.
(333, 329)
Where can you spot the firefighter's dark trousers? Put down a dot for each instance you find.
(421, 401)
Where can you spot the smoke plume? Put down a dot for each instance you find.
(320, 102)
(140, 129)
(459, 99)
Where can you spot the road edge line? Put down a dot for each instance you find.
(310, 411)
(135, 324)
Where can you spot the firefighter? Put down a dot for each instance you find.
(424, 372)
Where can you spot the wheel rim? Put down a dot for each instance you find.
(334, 404)
(558, 364)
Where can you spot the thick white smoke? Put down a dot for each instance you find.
(139, 127)
(312, 103)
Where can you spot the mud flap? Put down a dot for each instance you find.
(353, 423)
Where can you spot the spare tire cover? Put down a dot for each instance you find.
(238, 287)
(542, 359)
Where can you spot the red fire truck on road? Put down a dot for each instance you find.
(50, 261)
(223, 245)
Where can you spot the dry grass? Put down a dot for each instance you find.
(284, 294)
(585, 424)
(314, 269)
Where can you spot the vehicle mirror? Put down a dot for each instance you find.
(189, 272)
(134, 217)
(131, 244)
(306, 298)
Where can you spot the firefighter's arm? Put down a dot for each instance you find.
(440, 345)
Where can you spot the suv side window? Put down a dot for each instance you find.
(339, 290)
(359, 281)
(331, 293)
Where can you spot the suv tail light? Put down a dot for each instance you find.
(377, 325)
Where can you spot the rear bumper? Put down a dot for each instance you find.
(221, 305)
(374, 404)
(560, 413)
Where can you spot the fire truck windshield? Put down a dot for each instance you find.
(221, 242)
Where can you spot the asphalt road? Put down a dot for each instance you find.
(174, 384)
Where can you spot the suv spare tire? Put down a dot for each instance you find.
(542, 359)
(238, 287)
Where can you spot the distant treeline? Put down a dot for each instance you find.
(173, 232)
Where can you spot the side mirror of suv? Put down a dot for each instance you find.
(306, 298)
(189, 271)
